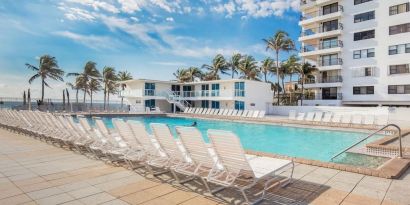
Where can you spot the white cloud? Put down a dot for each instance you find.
(97, 5)
(77, 14)
(135, 19)
(91, 41)
(170, 19)
(131, 6)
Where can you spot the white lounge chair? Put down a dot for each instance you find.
(245, 113)
(327, 117)
(225, 113)
(262, 114)
(310, 116)
(318, 117)
(347, 119)
(221, 111)
(292, 114)
(238, 171)
(234, 113)
(357, 119)
(300, 116)
(382, 120)
(250, 113)
(255, 114)
(337, 117)
(229, 113)
(239, 113)
(208, 111)
(368, 120)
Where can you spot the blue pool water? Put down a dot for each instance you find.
(290, 141)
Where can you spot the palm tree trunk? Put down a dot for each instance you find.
(108, 100)
(91, 98)
(76, 96)
(105, 94)
(265, 77)
(290, 91)
(42, 89)
(303, 90)
(122, 98)
(277, 73)
(233, 73)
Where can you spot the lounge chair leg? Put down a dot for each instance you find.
(214, 191)
(188, 179)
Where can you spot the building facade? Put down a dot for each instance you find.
(170, 96)
(361, 49)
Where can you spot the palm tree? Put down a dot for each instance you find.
(305, 71)
(193, 72)
(93, 86)
(90, 72)
(109, 76)
(47, 68)
(181, 75)
(219, 65)
(234, 63)
(279, 42)
(275, 87)
(249, 69)
(123, 76)
(112, 88)
(266, 68)
(292, 65)
(78, 85)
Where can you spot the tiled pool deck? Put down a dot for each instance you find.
(33, 172)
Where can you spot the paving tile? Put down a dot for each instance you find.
(330, 196)
(75, 202)
(36, 186)
(115, 202)
(13, 191)
(149, 194)
(84, 192)
(132, 188)
(44, 193)
(97, 198)
(112, 184)
(55, 199)
(200, 201)
(178, 196)
(354, 199)
(29, 181)
(19, 199)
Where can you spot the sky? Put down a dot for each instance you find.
(149, 38)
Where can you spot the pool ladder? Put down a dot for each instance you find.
(371, 135)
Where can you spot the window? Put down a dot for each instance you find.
(402, 28)
(205, 90)
(240, 89)
(329, 43)
(331, 8)
(399, 69)
(363, 90)
(150, 103)
(215, 104)
(329, 60)
(364, 72)
(401, 8)
(330, 25)
(205, 104)
(150, 89)
(363, 35)
(361, 1)
(399, 49)
(239, 105)
(364, 17)
(215, 90)
(399, 89)
(365, 53)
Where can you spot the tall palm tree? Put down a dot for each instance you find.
(305, 71)
(280, 41)
(266, 68)
(123, 76)
(112, 88)
(219, 65)
(234, 63)
(90, 72)
(292, 65)
(249, 69)
(77, 85)
(47, 68)
(108, 77)
(193, 72)
(181, 75)
(94, 86)
(275, 87)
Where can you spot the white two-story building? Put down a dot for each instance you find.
(172, 96)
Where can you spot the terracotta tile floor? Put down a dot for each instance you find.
(34, 172)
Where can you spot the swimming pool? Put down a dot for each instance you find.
(316, 144)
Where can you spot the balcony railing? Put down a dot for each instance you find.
(323, 96)
(321, 29)
(330, 79)
(330, 62)
(310, 15)
(322, 46)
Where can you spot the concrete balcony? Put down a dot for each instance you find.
(320, 32)
(185, 95)
(322, 99)
(314, 51)
(318, 16)
(332, 64)
(328, 82)
(306, 4)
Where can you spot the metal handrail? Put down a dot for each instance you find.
(374, 133)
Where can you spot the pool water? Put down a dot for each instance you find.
(316, 144)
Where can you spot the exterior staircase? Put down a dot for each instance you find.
(173, 98)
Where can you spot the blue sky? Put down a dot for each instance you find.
(149, 38)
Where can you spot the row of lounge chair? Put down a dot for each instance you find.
(226, 112)
(223, 163)
(339, 119)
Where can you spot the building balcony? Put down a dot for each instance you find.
(316, 16)
(321, 32)
(322, 48)
(306, 4)
(328, 82)
(323, 96)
